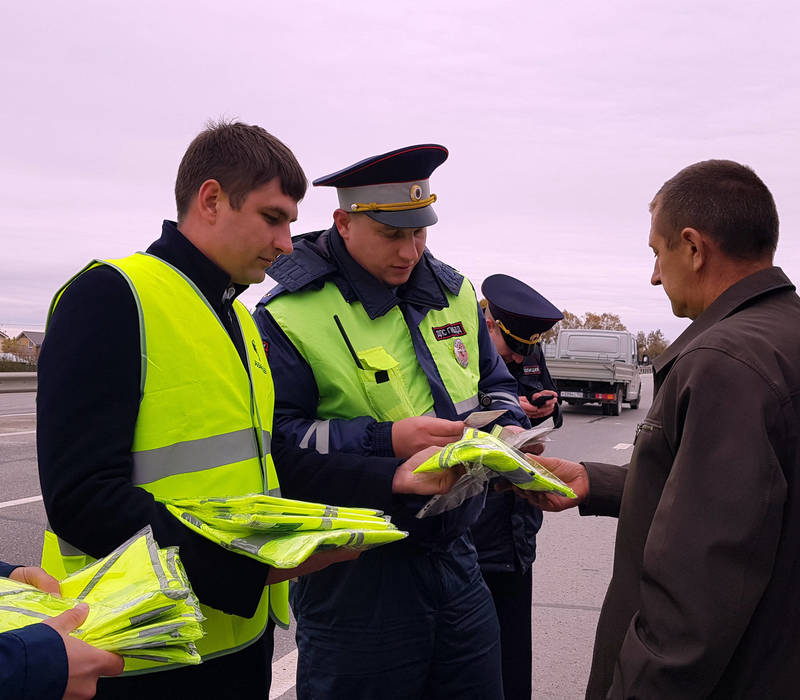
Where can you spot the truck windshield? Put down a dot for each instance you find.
(607, 345)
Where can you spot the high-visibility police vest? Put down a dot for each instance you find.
(194, 438)
(389, 385)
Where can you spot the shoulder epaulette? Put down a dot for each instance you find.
(302, 267)
(449, 276)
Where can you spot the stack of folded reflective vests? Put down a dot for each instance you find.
(486, 454)
(141, 605)
(281, 532)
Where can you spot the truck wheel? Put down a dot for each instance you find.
(635, 403)
(614, 409)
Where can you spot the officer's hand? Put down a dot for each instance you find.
(86, 663)
(411, 435)
(542, 411)
(314, 563)
(36, 577)
(571, 473)
(426, 483)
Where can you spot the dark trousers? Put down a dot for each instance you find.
(244, 674)
(398, 624)
(512, 593)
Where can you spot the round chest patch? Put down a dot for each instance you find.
(460, 351)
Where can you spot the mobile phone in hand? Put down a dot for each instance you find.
(540, 401)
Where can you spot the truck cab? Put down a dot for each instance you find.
(596, 366)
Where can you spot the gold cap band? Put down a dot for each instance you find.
(393, 206)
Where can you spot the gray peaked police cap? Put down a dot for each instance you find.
(392, 188)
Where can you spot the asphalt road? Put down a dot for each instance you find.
(571, 572)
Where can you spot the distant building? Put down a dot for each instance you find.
(3, 335)
(28, 344)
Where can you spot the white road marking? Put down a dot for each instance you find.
(22, 432)
(284, 671)
(15, 415)
(20, 501)
(623, 445)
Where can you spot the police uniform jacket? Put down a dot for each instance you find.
(321, 256)
(87, 403)
(703, 597)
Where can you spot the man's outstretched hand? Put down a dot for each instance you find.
(571, 473)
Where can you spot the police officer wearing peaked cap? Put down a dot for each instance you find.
(377, 347)
(518, 318)
(505, 535)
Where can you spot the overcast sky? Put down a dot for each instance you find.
(562, 122)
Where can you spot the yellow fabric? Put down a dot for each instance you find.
(485, 450)
(281, 532)
(346, 391)
(140, 605)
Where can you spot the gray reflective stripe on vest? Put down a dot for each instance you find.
(24, 611)
(356, 538)
(467, 404)
(167, 628)
(67, 550)
(503, 397)
(149, 615)
(196, 455)
(461, 407)
(321, 429)
(112, 559)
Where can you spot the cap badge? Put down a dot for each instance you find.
(460, 351)
(416, 193)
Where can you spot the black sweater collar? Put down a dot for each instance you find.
(173, 247)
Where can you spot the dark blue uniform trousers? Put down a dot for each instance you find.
(399, 622)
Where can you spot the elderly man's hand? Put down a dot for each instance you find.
(571, 473)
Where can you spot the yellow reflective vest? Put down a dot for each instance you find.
(389, 385)
(194, 439)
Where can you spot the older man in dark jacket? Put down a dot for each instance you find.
(703, 598)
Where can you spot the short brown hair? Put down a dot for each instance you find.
(725, 200)
(241, 158)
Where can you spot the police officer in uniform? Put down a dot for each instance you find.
(379, 348)
(505, 534)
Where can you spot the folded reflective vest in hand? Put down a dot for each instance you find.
(484, 453)
(141, 605)
(279, 531)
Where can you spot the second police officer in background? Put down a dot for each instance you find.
(505, 534)
(377, 347)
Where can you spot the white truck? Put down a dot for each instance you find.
(596, 366)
